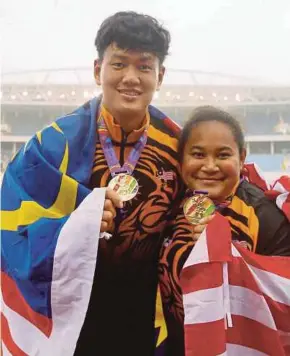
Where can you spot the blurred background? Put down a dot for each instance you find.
(229, 53)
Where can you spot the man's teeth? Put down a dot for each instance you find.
(131, 93)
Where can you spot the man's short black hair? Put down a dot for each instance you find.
(133, 31)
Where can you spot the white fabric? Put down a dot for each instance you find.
(208, 305)
(73, 271)
(199, 254)
(239, 350)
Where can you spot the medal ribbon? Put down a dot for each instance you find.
(109, 152)
(218, 205)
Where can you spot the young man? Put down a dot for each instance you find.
(50, 220)
(120, 319)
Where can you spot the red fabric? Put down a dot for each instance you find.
(258, 289)
(279, 191)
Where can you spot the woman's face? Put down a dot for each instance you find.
(211, 160)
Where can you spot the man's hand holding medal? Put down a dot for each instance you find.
(112, 202)
(122, 188)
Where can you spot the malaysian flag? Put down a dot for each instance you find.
(235, 302)
(165, 175)
(45, 302)
(50, 224)
(46, 286)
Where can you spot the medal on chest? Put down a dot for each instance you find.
(125, 185)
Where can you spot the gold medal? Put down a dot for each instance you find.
(124, 185)
(197, 207)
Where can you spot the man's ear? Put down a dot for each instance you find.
(160, 76)
(97, 71)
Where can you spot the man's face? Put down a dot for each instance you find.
(129, 79)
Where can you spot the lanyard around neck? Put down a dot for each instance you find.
(109, 152)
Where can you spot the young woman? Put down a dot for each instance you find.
(212, 155)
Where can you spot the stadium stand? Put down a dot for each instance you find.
(31, 100)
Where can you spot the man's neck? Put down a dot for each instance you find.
(128, 124)
(129, 121)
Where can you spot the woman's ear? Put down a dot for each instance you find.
(243, 159)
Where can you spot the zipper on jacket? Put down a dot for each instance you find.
(122, 147)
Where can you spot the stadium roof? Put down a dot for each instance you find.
(67, 86)
(84, 76)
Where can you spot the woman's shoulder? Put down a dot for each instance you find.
(252, 195)
(264, 207)
(273, 236)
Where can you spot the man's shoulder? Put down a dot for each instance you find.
(75, 115)
(74, 128)
(163, 123)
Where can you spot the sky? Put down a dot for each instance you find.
(241, 37)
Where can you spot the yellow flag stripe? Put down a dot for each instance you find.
(30, 211)
(64, 162)
(159, 319)
(38, 135)
(56, 127)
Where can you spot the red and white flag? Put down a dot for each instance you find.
(278, 191)
(235, 302)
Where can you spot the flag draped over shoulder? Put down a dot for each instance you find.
(278, 191)
(50, 224)
(235, 302)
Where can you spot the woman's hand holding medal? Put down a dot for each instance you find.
(198, 229)
(199, 211)
(112, 201)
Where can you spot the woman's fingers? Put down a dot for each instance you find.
(198, 229)
(206, 220)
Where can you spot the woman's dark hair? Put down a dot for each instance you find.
(211, 113)
(133, 31)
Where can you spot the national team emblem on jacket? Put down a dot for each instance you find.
(165, 176)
